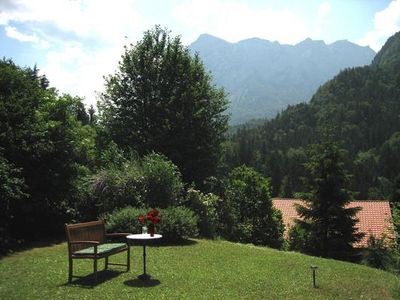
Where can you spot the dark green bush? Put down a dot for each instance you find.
(11, 193)
(299, 239)
(177, 223)
(125, 220)
(162, 181)
(380, 254)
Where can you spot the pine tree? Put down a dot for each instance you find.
(330, 224)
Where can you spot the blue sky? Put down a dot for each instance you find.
(75, 43)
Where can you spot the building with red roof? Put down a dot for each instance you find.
(374, 218)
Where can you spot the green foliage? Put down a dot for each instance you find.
(162, 181)
(396, 223)
(161, 99)
(330, 225)
(389, 57)
(125, 219)
(379, 254)
(177, 223)
(248, 198)
(11, 192)
(151, 181)
(366, 172)
(43, 136)
(118, 187)
(206, 207)
(299, 239)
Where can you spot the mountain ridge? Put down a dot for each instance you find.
(262, 77)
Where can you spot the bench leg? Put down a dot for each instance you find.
(95, 269)
(106, 263)
(70, 267)
(128, 259)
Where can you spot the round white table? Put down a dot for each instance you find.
(144, 239)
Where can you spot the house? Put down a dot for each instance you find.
(374, 218)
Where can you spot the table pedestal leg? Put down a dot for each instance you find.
(144, 276)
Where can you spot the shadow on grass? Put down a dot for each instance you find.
(142, 283)
(187, 242)
(21, 245)
(88, 280)
(165, 243)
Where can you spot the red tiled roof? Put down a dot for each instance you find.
(374, 218)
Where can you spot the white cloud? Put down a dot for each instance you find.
(78, 71)
(386, 23)
(87, 38)
(12, 32)
(234, 21)
(103, 20)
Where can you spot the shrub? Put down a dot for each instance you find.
(205, 207)
(118, 187)
(379, 254)
(152, 181)
(124, 220)
(162, 181)
(249, 203)
(177, 223)
(298, 239)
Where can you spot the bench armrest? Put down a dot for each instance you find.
(95, 243)
(117, 234)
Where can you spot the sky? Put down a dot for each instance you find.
(77, 42)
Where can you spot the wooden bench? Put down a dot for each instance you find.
(89, 241)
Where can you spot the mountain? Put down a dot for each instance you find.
(263, 77)
(359, 107)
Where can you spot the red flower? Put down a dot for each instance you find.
(152, 216)
(155, 212)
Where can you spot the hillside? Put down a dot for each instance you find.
(263, 77)
(361, 106)
(199, 269)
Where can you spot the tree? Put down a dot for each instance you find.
(331, 226)
(44, 148)
(161, 99)
(11, 189)
(256, 221)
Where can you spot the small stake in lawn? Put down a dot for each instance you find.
(313, 268)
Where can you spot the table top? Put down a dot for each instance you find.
(143, 237)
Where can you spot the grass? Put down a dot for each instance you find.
(201, 269)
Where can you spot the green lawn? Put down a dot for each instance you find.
(199, 270)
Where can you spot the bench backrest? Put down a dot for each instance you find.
(88, 231)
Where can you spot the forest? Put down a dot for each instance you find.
(359, 108)
(158, 138)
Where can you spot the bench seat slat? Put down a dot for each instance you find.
(102, 249)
